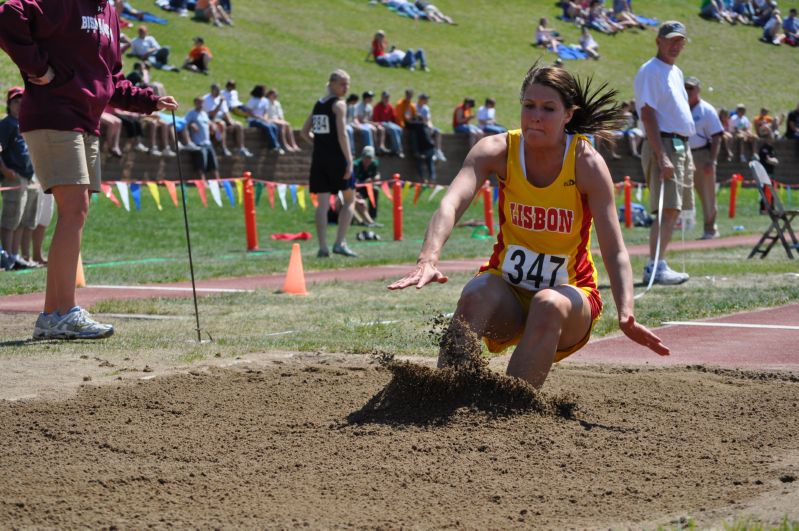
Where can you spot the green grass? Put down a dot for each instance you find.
(292, 46)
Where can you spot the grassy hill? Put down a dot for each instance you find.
(292, 45)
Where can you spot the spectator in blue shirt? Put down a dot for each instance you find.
(204, 158)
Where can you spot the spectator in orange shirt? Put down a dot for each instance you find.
(764, 118)
(461, 117)
(199, 57)
(405, 109)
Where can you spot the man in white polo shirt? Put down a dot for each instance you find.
(705, 144)
(662, 104)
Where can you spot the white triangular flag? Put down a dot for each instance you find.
(639, 192)
(213, 185)
(437, 189)
(281, 193)
(123, 194)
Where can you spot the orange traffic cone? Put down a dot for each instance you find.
(295, 277)
(80, 280)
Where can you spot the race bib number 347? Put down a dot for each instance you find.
(321, 124)
(534, 271)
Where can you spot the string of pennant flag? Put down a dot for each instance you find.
(120, 193)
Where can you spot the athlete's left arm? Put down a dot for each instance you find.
(594, 181)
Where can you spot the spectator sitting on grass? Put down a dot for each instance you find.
(744, 10)
(394, 57)
(145, 47)
(432, 12)
(790, 27)
(487, 118)
(215, 105)
(763, 11)
(714, 10)
(588, 44)
(258, 117)
(599, 20)
(423, 110)
(231, 96)
(546, 36)
(575, 12)
(140, 77)
(461, 117)
(384, 114)
(634, 134)
(275, 115)
(404, 8)
(772, 31)
(624, 14)
(211, 11)
(364, 114)
(198, 124)
(199, 57)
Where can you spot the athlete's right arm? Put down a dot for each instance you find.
(486, 157)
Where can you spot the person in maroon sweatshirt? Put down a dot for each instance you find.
(68, 54)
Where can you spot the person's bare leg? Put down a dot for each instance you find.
(16, 242)
(706, 188)
(293, 139)
(321, 220)
(487, 307)
(73, 206)
(38, 242)
(345, 215)
(559, 318)
(7, 239)
(25, 237)
(238, 134)
(670, 216)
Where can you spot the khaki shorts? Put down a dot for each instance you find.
(678, 192)
(20, 207)
(64, 157)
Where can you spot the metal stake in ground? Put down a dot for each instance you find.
(186, 223)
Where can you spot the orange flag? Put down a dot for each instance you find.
(109, 193)
(370, 191)
(200, 184)
(170, 187)
(387, 191)
(314, 201)
(270, 189)
(416, 193)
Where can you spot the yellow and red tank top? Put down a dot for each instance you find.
(544, 233)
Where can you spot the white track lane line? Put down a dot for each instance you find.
(732, 325)
(170, 288)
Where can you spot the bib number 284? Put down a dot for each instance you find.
(531, 270)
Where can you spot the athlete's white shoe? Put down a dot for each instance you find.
(76, 324)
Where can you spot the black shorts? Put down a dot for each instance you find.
(326, 177)
(205, 159)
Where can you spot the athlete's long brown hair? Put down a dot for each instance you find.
(596, 112)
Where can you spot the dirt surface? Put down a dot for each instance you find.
(286, 441)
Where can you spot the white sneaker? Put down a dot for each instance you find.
(155, 152)
(168, 153)
(664, 274)
(226, 152)
(440, 155)
(244, 152)
(141, 148)
(76, 324)
(191, 146)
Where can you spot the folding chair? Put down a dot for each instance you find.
(780, 218)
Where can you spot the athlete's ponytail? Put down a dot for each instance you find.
(596, 112)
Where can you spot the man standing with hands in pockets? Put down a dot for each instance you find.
(68, 54)
(662, 104)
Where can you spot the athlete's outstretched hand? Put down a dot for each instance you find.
(424, 274)
(642, 335)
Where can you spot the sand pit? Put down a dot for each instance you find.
(289, 444)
